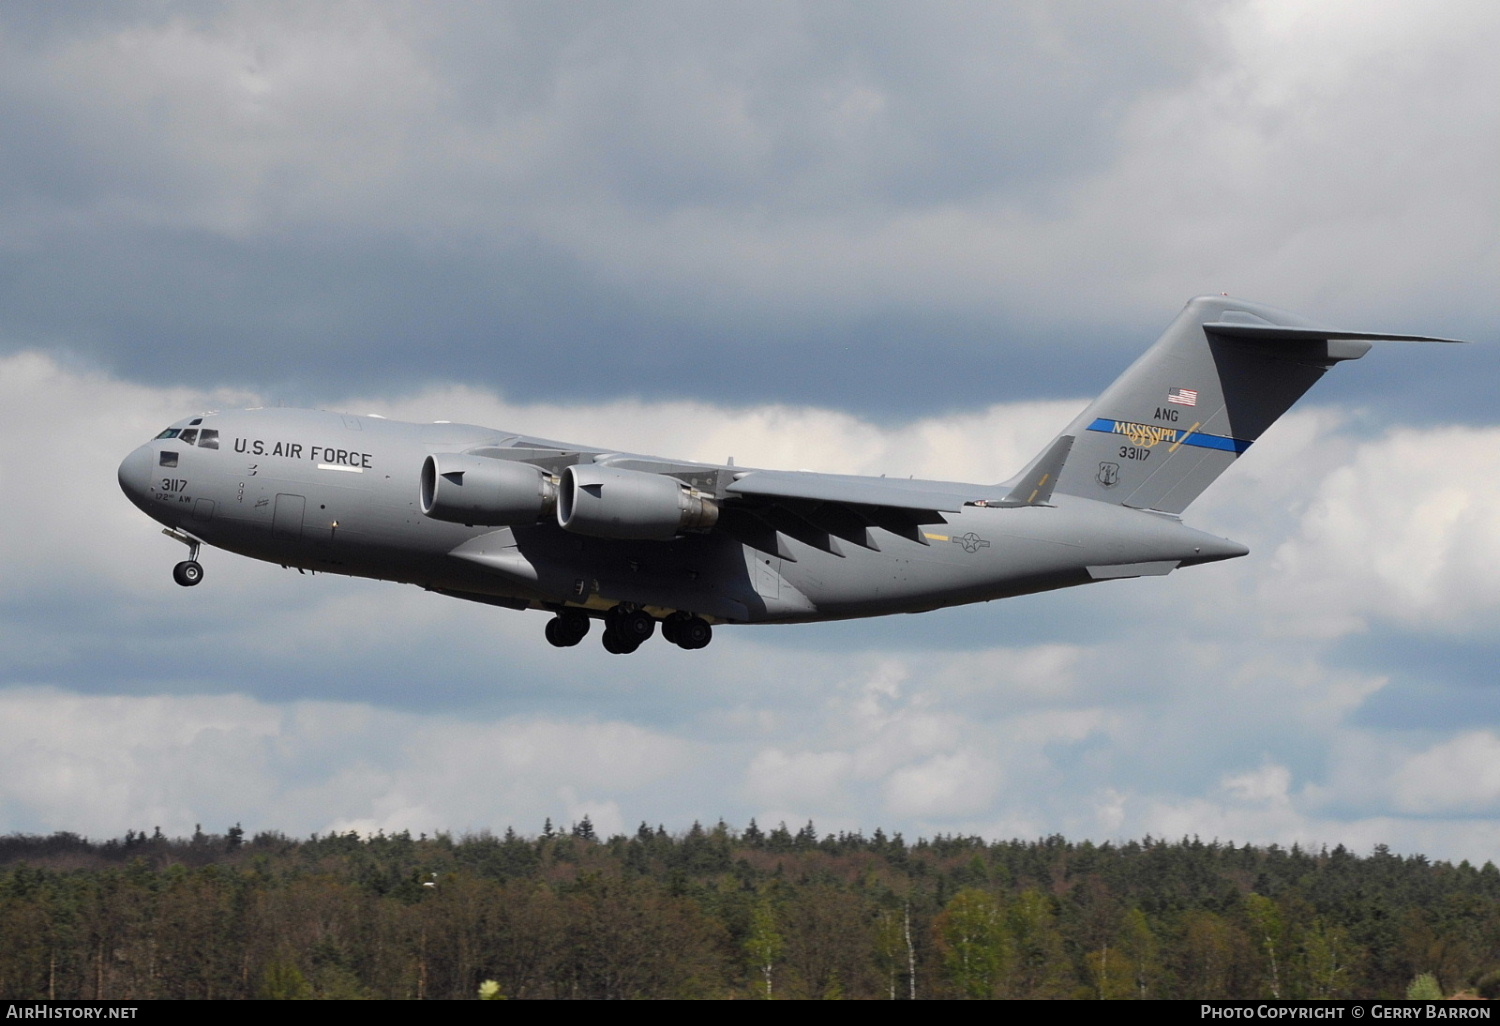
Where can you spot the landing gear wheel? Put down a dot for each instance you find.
(616, 645)
(576, 624)
(188, 573)
(671, 625)
(567, 629)
(636, 626)
(694, 633)
(631, 626)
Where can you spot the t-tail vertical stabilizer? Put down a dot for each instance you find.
(1216, 379)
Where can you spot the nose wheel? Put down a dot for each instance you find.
(188, 573)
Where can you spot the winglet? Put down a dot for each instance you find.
(1035, 485)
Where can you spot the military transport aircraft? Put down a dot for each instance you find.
(634, 540)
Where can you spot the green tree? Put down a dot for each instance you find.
(972, 937)
(1266, 924)
(829, 941)
(1039, 968)
(1208, 954)
(1424, 988)
(283, 981)
(1109, 974)
(765, 943)
(894, 949)
(1141, 952)
(1326, 954)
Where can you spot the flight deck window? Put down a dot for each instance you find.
(189, 436)
(167, 459)
(208, 439)
(168, 433)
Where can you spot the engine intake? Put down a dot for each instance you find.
(479, 490)
(607, 502)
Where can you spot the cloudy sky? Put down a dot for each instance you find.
(862, 237)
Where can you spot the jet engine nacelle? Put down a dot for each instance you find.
(607, 502)
(480, 490)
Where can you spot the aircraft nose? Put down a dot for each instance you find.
(135, 475)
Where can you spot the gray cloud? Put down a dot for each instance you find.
(838, 204)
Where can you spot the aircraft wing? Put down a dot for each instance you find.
(898, 493)
(763, 507)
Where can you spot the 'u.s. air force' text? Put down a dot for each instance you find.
(294, 451)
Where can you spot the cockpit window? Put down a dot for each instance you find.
(208, 438)
(189, 436)
(195, 422)
(168, 433)
(167, 459)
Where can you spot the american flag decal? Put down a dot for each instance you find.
(1183, 396)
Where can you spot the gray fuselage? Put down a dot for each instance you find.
(340, 494)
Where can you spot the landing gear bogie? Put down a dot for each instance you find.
(615, 644)
(626, 628)
(687, 631)
(630, 623)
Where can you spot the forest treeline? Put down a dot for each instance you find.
(724, 913)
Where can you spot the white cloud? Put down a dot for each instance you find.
(943, 787)
(1461, 774)
(793, 779)
(1404, 532)
(107, 764)
(1267, 785)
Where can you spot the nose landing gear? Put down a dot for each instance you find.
(189, 572)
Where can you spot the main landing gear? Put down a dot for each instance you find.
(687, 631)
(567, 628)
(627, 627)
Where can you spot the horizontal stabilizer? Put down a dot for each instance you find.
(1283, 333)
